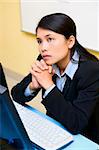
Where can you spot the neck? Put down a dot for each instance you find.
(63, 63)
(63, 67)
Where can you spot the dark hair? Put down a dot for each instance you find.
(63, 24)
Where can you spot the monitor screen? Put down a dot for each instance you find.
(2, 77)
(12, 131)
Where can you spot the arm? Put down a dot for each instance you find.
(18, 90)
(75, 113)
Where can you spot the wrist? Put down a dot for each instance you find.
(48, 86)
(31, 86)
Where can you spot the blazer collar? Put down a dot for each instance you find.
(71, 67)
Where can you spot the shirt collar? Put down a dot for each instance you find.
(71, 67)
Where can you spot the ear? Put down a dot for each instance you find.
(71, 41)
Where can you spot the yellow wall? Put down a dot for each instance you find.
(17, 49)
(94, 53)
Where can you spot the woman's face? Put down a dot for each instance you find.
(53, 47)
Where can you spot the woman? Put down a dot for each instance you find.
(67, 74)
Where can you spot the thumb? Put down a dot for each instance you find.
(53, 71)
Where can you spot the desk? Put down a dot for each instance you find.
(80, 142)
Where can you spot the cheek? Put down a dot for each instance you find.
(62, 50)
(61, 53)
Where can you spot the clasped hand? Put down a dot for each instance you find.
(41, 75)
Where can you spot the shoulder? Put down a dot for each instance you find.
(89, 67)
(87, 73)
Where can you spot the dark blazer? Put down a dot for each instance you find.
(77, 107)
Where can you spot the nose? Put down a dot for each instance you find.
(43, 50)
(44, 46)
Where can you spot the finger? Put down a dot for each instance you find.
(53, 71)
(39, 65)
(33, 72)
(50, 69)
(44, 65)
(36, 68)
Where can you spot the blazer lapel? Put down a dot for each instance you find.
(67, 85)
(54, 78)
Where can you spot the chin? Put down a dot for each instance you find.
(49, 62)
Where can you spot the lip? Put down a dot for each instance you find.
(46, 57)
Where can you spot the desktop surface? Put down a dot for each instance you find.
(80, 142)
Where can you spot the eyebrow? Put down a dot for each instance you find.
(48, 35)
(45, 36)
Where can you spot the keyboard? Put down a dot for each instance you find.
(42, 131)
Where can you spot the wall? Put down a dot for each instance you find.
(75, 9)
(17, 49)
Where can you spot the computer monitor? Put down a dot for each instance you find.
(11, 128)
(2, 77)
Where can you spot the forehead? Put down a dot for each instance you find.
(45, 33)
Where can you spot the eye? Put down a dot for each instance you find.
(39, 41)
(50, 39)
